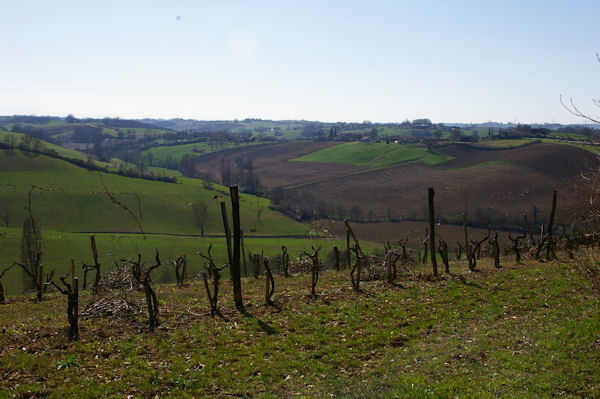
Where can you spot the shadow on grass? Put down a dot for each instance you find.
(263, 326)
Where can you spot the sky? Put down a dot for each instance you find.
(382, 61)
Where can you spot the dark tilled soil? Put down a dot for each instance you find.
(271, 163)
(499, 190)
(556, 160)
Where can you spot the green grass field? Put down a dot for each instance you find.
(176, 152)
(75, 200)
(66, 152)
(376, 155)
(528, 331)
(113, 165)
(60, 247)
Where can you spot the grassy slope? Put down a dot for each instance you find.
(66, 152)
(375, 155)
(527, 331)
(78, 201)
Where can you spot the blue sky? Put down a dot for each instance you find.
(450, 61)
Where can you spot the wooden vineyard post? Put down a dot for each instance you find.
(550, 253)
(336, 254)
(347, 248)
(235, 261)
(285, 261)
(496, 251)
(432, 232)
(96, 263)
(74, 314)
(467, 244)
(73, 270)
(243, 253)
(95, 266)
(226, 230)
(269, 282)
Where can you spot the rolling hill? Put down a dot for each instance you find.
(494, 183)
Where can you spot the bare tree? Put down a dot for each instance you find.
(122, 205)
(200, 210)
(31, 249)
(574, 110)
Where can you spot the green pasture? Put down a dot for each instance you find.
(66, 152)
(568, 136)
(176, 152)
(60, 247)
(74, 199)
(376, 155)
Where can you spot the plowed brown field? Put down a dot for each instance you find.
(498, 185)
(270, 163)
